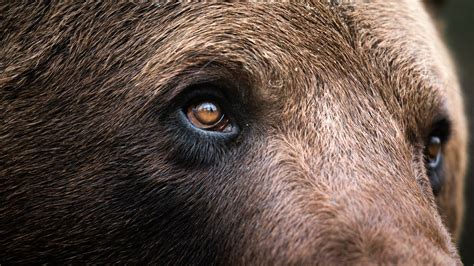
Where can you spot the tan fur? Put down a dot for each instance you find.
(334, 100)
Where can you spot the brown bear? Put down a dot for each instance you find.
(324, 132)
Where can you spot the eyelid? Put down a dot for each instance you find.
(442, 129)
(196, 74)
(199, 92)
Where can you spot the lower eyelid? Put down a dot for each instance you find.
(436, 162)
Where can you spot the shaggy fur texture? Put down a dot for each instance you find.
(334, 102)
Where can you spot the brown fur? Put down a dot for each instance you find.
(333, 101)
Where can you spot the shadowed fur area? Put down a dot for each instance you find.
(332, 104)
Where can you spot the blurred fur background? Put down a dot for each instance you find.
(459, 32)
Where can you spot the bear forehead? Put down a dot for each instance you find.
(309, 49)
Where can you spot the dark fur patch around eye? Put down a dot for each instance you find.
(189, 145)
(436, 3)
(435, 7)
(442, 129)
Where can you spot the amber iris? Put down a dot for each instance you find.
(433, 150)
(208, 115)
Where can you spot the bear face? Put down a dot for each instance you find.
(326, 132)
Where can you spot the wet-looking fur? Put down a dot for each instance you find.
(333, 102)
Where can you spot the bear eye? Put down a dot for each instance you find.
(433, 152)
(440, 134)
(434, 163)
(208, 115)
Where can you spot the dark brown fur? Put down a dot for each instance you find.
(334, 102)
